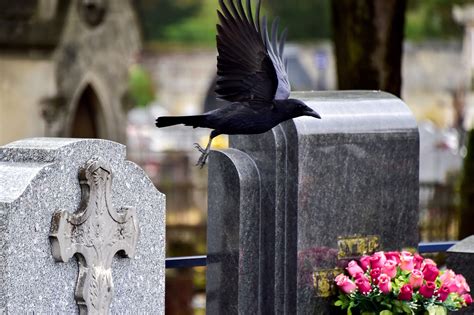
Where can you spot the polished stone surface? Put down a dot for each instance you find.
(233, 246)
(357, 174)
(40, 176)
(460, 258)
(355, 171)
(269, 153)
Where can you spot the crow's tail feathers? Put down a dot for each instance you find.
(165, 121)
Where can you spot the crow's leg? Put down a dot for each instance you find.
(205, 152)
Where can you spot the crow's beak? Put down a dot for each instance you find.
(312, 113)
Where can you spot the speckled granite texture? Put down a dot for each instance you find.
(460, 258)
(228, 254)
(39, 176)
(355, 171)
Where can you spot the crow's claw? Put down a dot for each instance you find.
(204, 154)
(199, 148)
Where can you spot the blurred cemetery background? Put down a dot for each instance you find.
(107, 69)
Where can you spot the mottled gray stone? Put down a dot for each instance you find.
(355, 171)
(460, 258)
(78, 64)
(40, 176)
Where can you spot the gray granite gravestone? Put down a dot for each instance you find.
(330, 190)
(460, 258)
(63, 197)
(240, 194)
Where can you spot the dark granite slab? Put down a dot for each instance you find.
(233, 266)
(355, 171)
(460, 258)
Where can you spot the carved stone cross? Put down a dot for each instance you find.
(94, 234)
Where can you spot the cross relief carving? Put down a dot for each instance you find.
(94, 234)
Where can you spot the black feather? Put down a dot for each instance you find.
(246, 56)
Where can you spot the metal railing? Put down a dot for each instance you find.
(201, 260)
(186, 261)
(435, 247)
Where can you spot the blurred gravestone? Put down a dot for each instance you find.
(321, 192)
(92, 203)
(78, 54)
(461, 260)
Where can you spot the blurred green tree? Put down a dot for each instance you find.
(306, 19)
(432, 19)
(194, 21)
(191, 22)
(140, 86)
(199, 28)
(156, 15)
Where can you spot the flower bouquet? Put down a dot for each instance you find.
(388, 283)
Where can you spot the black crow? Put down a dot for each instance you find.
(252, 76)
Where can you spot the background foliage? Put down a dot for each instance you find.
(192, 22)
(432, 19)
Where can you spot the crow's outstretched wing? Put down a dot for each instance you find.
(250, 64)
(275, 48)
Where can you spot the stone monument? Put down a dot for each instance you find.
(65, 67)
(62, 198)
(460, 258)
(288, 208)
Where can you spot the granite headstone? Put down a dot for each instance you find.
(330, 190)
(460, 258)
(231, 254)
(42, 178)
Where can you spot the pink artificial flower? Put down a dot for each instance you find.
(427, 290)
(384, 283)
(365, 262)
(443, 293)
(361, 276)
(395, 256)
(353, 268)
(390, 268)
(467, 298)
(447, 275)
(463, 286)
(406, 293)
(428, 261)
(457, 285)
(417, 260)
(374, 275)
(377, 260)
(453, 285)
(416, 278)
(406, 261)
(363, 285)
(405, 254)
(430, 272)
(345, 284)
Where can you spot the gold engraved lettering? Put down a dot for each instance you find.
(352, 247)
(324, 284)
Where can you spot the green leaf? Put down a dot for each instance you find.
(386, 312)
(406, 308)
(338, 303)
(437, 310)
